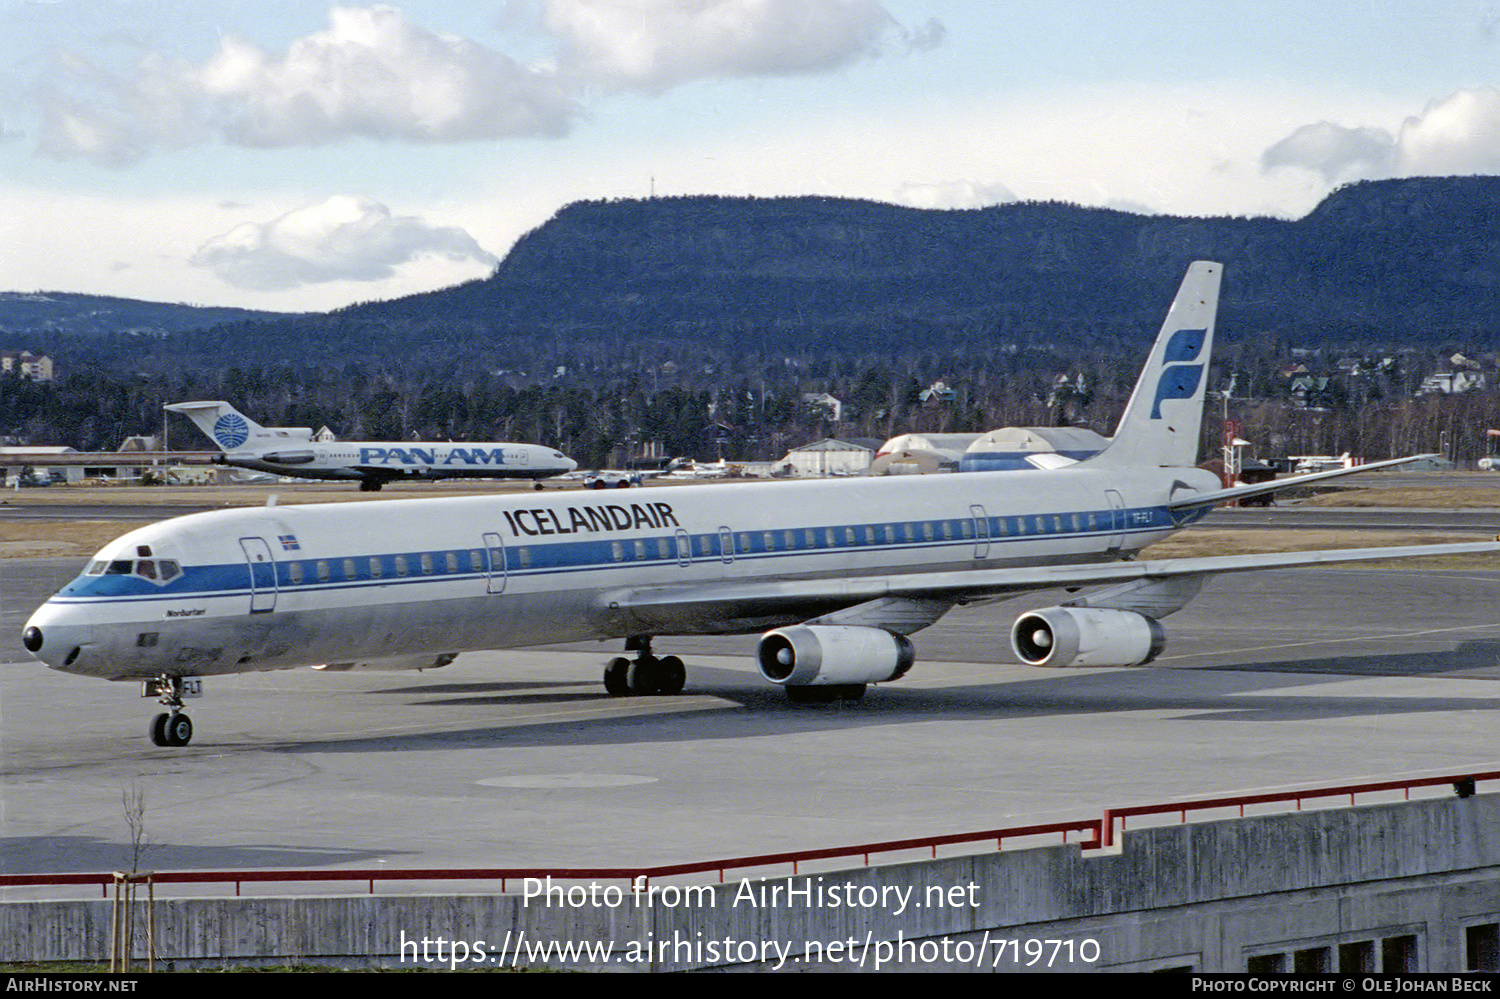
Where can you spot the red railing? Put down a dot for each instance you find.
(1463, 785)
(1100, 833)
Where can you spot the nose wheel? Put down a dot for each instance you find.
(172, 727)
(175, 729)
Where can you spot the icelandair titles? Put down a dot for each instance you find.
(591, 519)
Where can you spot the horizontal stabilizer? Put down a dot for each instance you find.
(1189, 500)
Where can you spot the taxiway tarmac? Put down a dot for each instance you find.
(519, 758)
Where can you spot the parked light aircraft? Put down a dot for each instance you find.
(292, 451)
(836, 574)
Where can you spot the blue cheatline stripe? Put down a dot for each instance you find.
(554, 558)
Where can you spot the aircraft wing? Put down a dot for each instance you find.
(1261, 488)
(736, 607)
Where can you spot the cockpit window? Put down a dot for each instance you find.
(157, 570)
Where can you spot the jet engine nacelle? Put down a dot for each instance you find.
(1086, 636)
(814, 654)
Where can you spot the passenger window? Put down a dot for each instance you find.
(376, 569)
(426, 564)
(400, 565)
(294, 572)
(350, 570)
(323, 572)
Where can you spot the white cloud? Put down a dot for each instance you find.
(374, 73)
(341, 239)
(1458, 134)
(655, 44)
(954, 194)
(1334, 151)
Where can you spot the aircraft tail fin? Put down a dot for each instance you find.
(228, 427)
(1163, 420)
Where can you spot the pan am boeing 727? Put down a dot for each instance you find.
(293, 451)
(835, 574)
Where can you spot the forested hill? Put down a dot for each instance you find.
(636, 281)
(71, 314)
(1408, 259)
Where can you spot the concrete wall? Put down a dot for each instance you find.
(1415, 885)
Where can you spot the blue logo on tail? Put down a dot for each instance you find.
(1179, 381)
(231, 430)
(1185, 345)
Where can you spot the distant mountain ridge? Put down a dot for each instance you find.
(1384, 261)
(92, 315)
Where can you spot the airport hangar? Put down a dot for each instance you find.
(518, 759)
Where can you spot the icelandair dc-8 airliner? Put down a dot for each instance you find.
(293, 451)
(836, 574)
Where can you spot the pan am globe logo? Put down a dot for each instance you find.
(231, 430)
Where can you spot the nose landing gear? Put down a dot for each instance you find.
(172, 728)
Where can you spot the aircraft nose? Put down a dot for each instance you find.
(57, 635)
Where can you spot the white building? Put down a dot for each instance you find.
(829, 457)
(37, 367)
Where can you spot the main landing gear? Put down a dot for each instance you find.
(645, 674)
(174, 728)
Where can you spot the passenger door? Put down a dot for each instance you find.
(262, 574)
(494, 547)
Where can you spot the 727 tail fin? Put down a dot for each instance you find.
(1162, 421)
(231, 429)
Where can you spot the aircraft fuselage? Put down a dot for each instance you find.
(385, 460)
(286, 586)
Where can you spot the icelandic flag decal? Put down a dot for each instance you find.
(289, 542)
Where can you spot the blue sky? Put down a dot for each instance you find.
(289, 155)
